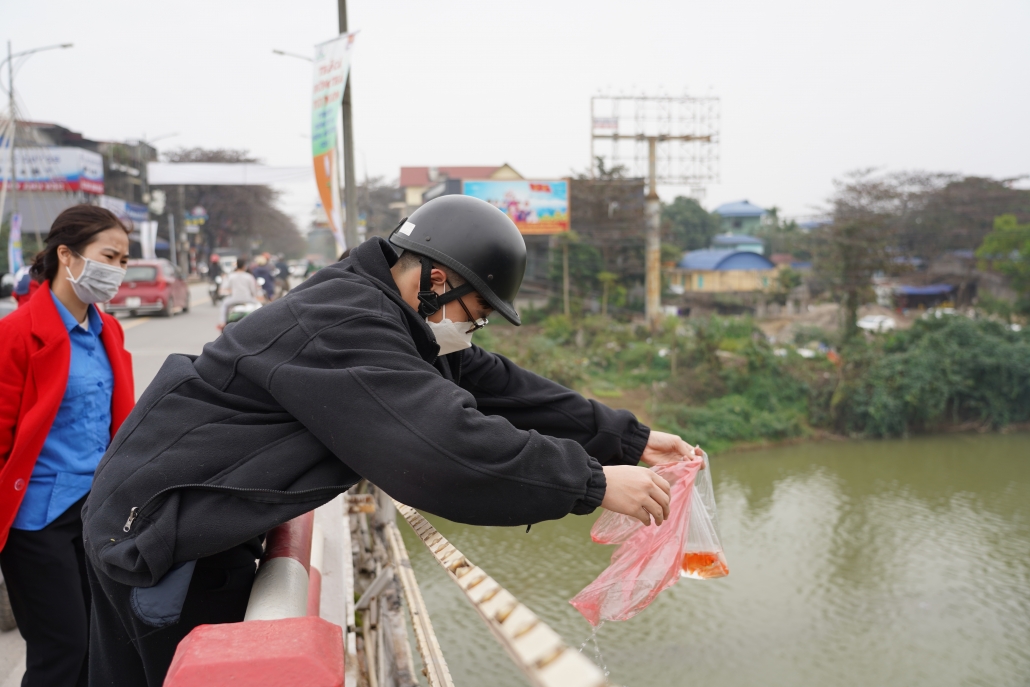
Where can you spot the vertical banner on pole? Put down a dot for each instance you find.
(148, 239)
(332, 62)
(14, 258)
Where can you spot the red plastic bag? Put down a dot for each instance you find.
(651, 559)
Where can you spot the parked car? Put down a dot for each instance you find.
(151, 286)
(876, 323)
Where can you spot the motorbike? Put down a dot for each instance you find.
(214, 290)
(239, 311)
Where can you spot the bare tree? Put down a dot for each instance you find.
(377, 202)
(957, 213)
(608, 215)
(857, 243)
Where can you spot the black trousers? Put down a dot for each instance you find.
(46, 580)
(126, 652)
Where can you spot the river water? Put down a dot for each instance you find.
(888, 563)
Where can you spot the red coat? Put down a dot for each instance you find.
(35, 351)
(24, 298)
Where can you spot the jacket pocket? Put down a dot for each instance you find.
(161, 605)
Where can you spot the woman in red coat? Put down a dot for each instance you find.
(65, 387)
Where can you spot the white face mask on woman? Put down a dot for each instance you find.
(97, 283)
(452, 336)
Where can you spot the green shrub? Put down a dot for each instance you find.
(559, 328)
(945, 371)
(939, 372)
(731, 419)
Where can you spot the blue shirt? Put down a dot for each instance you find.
(81, 431)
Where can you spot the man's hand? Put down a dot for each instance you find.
(637, 492)
(667, 448)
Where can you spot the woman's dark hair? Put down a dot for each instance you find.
(76, 227)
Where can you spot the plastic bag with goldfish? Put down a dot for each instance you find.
(651, 559)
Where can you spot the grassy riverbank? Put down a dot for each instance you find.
(718, 381)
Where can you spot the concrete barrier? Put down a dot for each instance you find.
(292, 652)
(282, 641)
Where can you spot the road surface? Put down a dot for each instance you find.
(150, 340)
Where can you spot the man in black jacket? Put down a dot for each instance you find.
(365, 370)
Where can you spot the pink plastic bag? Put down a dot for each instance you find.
(651, 559)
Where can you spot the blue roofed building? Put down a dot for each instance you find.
(740, 242)
(715, 270)
(741, 217)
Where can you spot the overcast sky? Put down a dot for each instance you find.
(809, 89)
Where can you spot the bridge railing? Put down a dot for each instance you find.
(325, 611)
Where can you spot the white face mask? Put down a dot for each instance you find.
(98, 282)
(451, 336)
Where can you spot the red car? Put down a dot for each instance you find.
(151, 286)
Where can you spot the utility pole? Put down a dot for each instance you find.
(172, 238)
(653, 220)
(688, 128)
(13, 183)
(350, 190)
(653, 250)
(565, 277)
(182, 215)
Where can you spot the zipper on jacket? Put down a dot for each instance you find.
(132, 516)
(242, 492)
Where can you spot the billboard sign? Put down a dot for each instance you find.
(55, 169)
(536, 207)
(123, 209)
(332, 64)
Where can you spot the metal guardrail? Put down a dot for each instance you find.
(436, 670)
(289, 585)
(281, 585)
(535, 648)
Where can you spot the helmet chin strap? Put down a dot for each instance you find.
(429, 301)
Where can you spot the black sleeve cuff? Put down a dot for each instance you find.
(633, 443)
(594, 491)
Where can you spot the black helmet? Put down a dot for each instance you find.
(474, 239)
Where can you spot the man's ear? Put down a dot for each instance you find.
(438, 277)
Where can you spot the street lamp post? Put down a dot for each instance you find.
(12, 182)
(292, 54)
(350, 190)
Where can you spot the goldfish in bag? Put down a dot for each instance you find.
(650, 559)
(703, 557)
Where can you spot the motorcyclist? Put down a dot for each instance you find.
(366, 370)
(263, 273)
(239, 287)
(214, 268)
(282, 276)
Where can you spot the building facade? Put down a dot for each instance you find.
(740, 217)
(722, 271)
